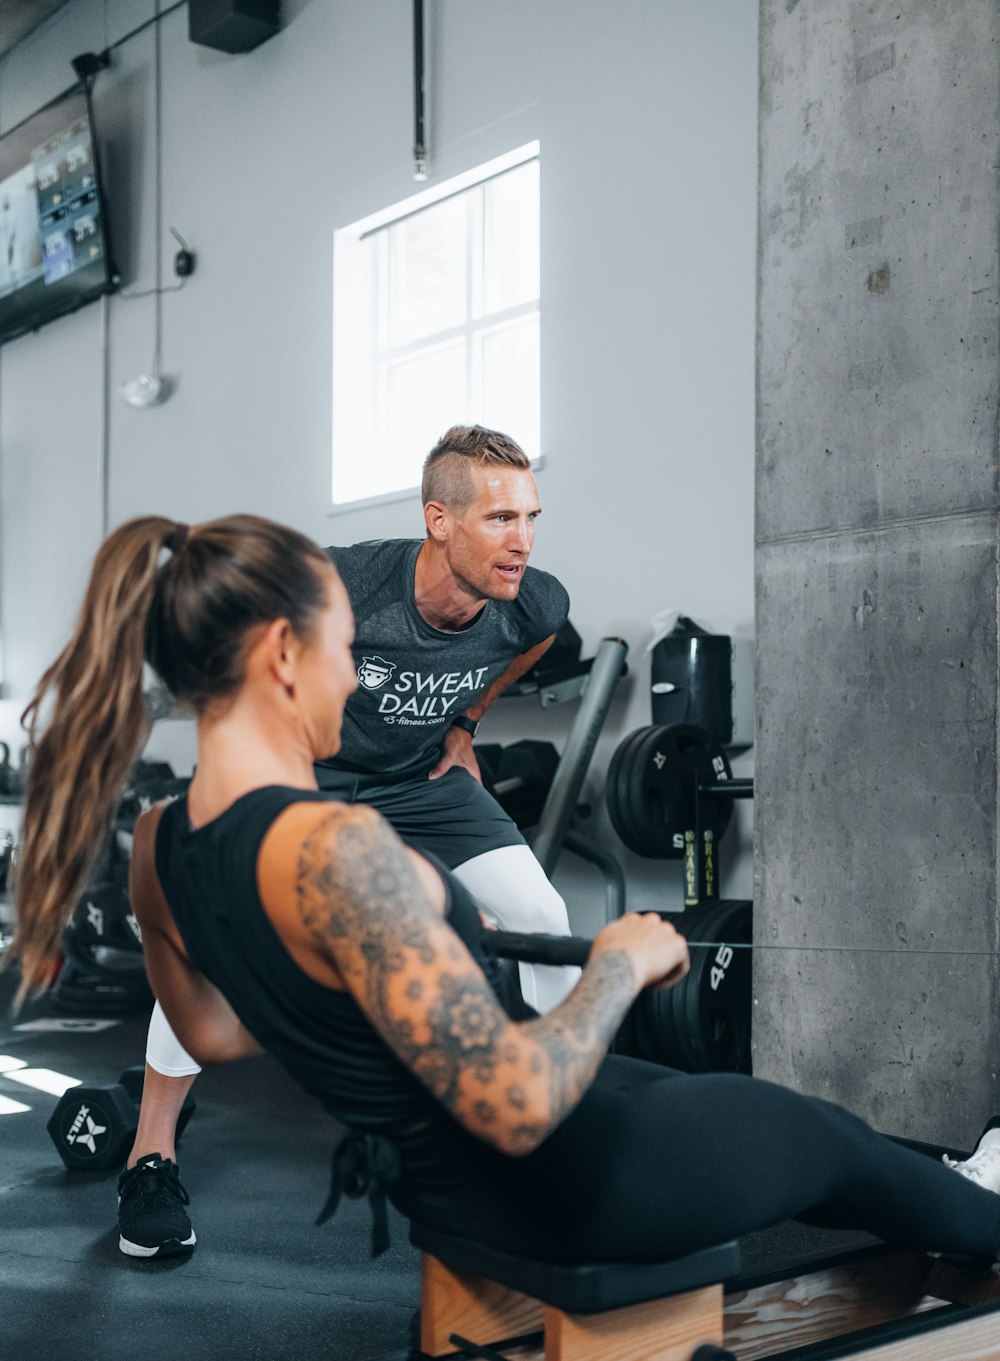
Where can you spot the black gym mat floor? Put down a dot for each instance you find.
(263, 1283)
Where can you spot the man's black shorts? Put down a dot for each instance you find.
(452, 817)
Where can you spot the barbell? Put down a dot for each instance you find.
(702, 1023)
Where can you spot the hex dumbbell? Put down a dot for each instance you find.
(93, 1128)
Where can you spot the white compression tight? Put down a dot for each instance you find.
(511, 886)
(164, 1051)
(508, 883)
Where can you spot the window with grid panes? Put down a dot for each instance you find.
(436, 323)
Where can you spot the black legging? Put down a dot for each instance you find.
(654, 1163)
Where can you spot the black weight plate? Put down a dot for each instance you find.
(695, 751)
(689, 925)
(625, 1041)
(655, 1027)
(93, 1127)
(625, 786)
(724, 1013)
(655, 824)
(646, 1026)
(699, 925)
(655, 1034)
(716, 811)
(718, 990)
(661, 793)
(617, 786)
(624, 781)
(613, 785)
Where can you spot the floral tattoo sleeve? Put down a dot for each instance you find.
(510, 1084)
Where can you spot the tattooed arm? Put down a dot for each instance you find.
(338, 882)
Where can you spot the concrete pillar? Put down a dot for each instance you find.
(877, 523)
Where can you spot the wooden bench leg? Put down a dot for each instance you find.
(662, 1330)
(473, 1307)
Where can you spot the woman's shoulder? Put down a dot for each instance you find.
(342, 862)
(319, 825)
(314, 846)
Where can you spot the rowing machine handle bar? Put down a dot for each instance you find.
(536, 948)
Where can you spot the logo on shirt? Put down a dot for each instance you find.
(374, 672)
(423, 698)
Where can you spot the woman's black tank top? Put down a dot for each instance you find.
(318, 1034)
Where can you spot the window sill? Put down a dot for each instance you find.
(366, 502)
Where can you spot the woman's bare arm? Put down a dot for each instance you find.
(357, 895)
(199, 1015)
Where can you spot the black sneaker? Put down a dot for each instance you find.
(152, 1221)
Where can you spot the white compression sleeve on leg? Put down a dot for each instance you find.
(511, 885)
(164, 1051)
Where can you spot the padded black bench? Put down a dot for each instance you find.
(869, 1302)
(644, 1309)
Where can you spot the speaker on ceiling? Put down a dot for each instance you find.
(232, 25)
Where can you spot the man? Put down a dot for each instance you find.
(443, 627)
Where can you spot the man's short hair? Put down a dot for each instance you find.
(446, 468)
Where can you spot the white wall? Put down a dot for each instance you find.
(646, 112)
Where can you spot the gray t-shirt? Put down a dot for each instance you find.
(414, 679)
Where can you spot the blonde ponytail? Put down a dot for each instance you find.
(90, 740)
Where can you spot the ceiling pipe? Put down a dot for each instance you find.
(419, 94)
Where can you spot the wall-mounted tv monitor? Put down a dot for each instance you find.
(54, 248)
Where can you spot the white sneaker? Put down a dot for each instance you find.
(984, 1165)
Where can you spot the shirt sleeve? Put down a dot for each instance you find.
(546, 605)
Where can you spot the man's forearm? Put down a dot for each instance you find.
(514, 672)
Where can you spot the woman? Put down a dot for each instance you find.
(273, 918)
